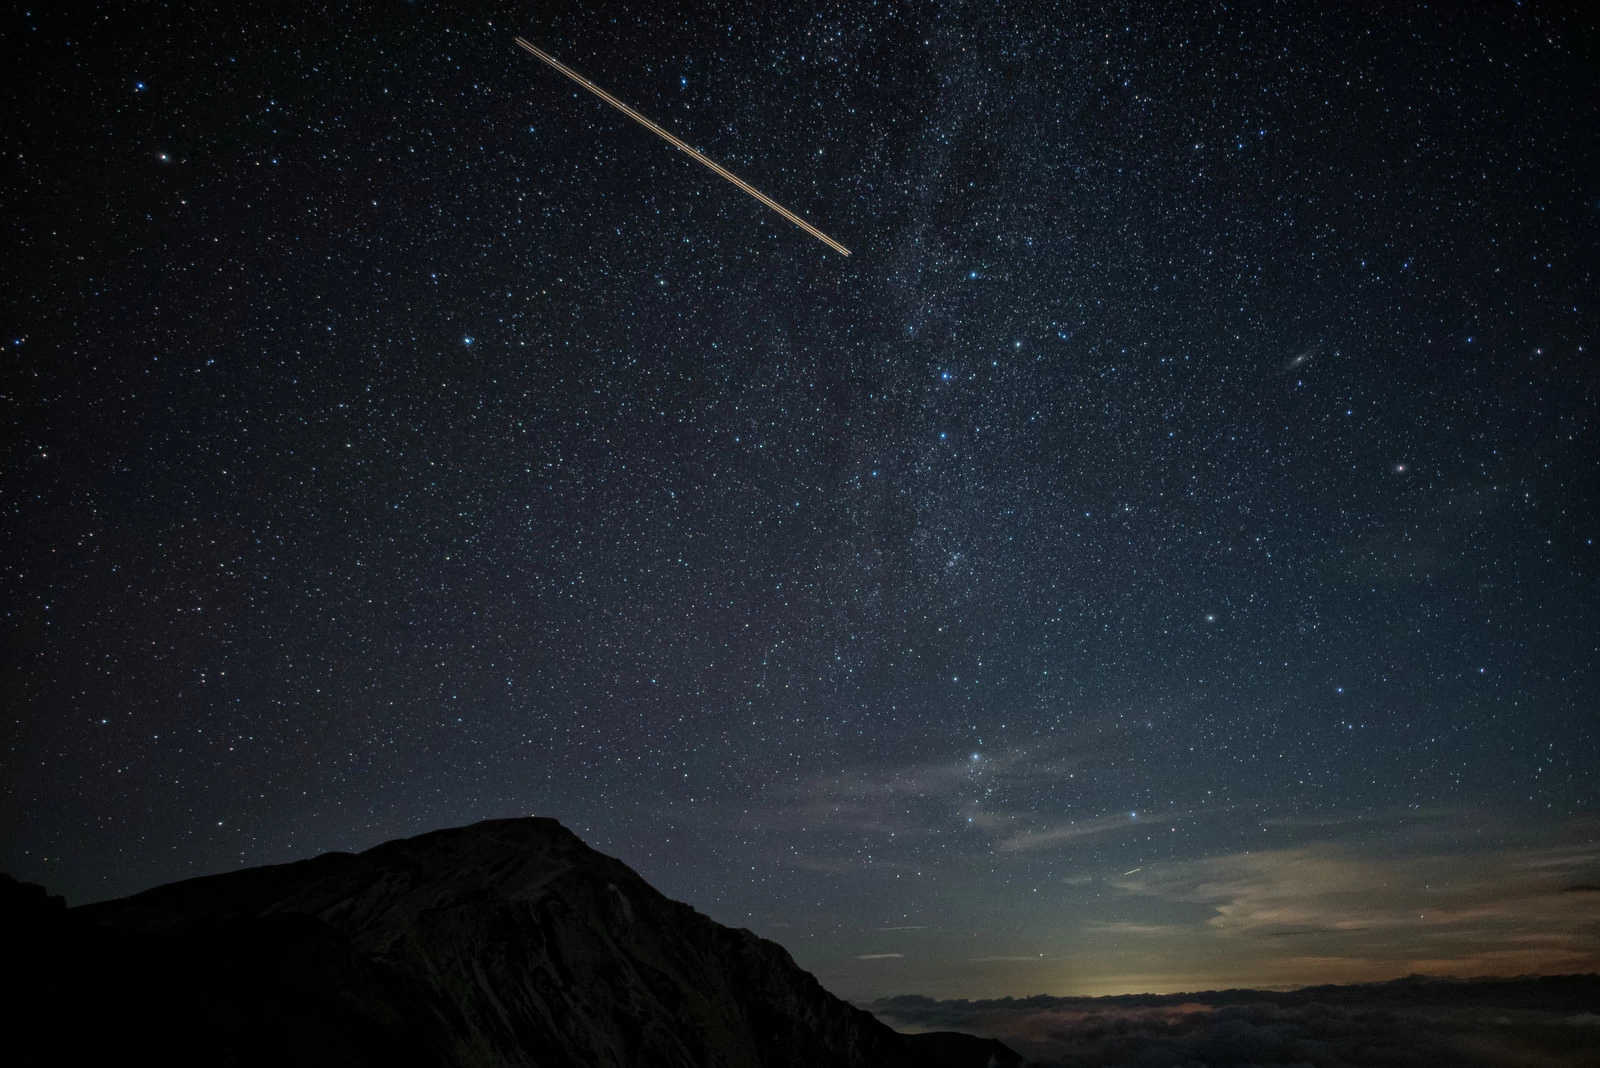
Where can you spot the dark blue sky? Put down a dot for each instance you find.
(1161, 556)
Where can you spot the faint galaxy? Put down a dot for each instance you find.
(1161, 556)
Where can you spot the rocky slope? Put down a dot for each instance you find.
(509, 942)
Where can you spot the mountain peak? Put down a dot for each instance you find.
(507, 942)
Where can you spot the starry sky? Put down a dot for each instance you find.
(1162, 556)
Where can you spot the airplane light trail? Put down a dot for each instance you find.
(679, 143)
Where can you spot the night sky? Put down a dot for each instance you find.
(1162, 556)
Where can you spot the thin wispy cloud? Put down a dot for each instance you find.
(1014, 958)
(1488, 912)
(1120, 928)
(1073, 830)
(899, 806)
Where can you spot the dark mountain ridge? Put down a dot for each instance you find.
(509, 942)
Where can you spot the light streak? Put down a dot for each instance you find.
(1131, 872)
(680, 143)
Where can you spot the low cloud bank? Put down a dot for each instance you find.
(1532, 1022)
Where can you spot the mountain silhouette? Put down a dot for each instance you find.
(508, 942)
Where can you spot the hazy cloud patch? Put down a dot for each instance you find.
(1061, 834)
(1328, 912)
(1412, 1022)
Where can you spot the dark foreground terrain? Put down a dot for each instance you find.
(1544, 1022)
(509, 942)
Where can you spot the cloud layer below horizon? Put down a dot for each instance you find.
(1537, 1024)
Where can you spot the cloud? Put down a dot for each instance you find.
(838, 864)
(1121, 928)
(1073, 830)
(1534, 1023)
(828, 823)
(1029, 958)
(918, 799)
(1327, 912)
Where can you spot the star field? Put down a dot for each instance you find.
(1163, 552)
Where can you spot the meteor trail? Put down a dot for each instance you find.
(679, 143)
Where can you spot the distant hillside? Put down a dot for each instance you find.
(509, 942)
